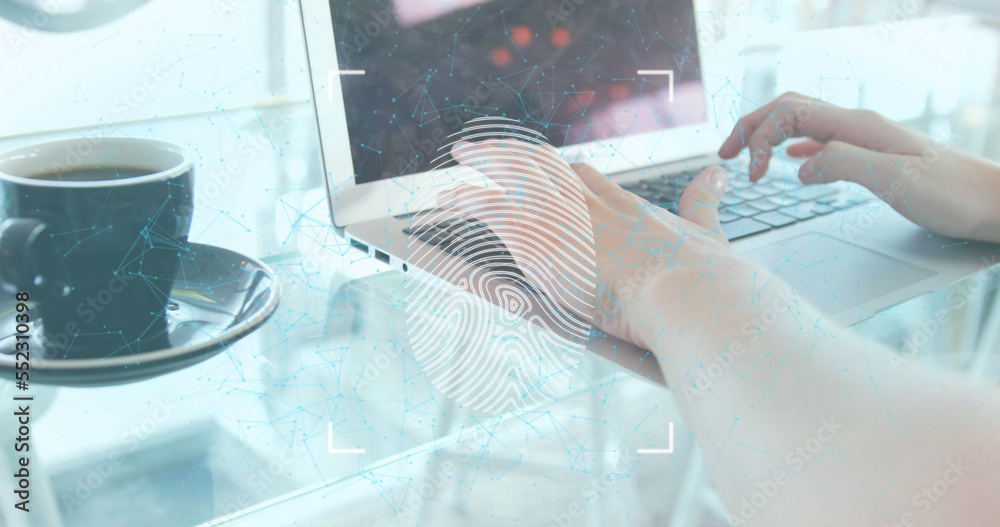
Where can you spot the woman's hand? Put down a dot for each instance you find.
(657, 273)
(941, 188)
(802, 423)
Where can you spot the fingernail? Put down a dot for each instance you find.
(717, 180)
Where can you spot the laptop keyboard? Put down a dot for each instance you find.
(470, 239)
(746, 209)
(749, 208)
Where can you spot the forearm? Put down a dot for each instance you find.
(768, 387)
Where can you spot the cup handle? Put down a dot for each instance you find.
(23, 244)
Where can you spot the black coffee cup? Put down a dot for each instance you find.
(93, 229)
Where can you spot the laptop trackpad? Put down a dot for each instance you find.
(833, 274)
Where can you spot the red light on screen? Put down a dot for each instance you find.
(619, 92)
(583, 99)
(500, 57)
(560, 37)
(521, 36)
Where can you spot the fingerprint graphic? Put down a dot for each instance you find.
(504, 324)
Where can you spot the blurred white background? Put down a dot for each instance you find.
(164, 58)
(161, 58)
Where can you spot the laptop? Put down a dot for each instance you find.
(620, 85)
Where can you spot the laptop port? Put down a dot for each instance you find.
(358, 245)
(381, 256)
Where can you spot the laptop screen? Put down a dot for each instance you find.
(414, 71)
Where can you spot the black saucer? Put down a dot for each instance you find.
(218, 297)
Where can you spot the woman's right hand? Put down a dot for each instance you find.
(939, 187)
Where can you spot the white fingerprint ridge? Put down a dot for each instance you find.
(466, 356)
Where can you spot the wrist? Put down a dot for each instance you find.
(727, 311)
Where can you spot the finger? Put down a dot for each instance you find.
(509, 216)
(745, 127)
(700, 202)
(794, 119)
(839, 161)
(807, 148)
(533, 176)
(502, 215)
(789, 120)
(505, 165)
(770, 134)
(602, 188)
(615, 209)
(476, 201)
(776, 110)
(540, 241)
(507, 161)
(809, 117)
(500, 211)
